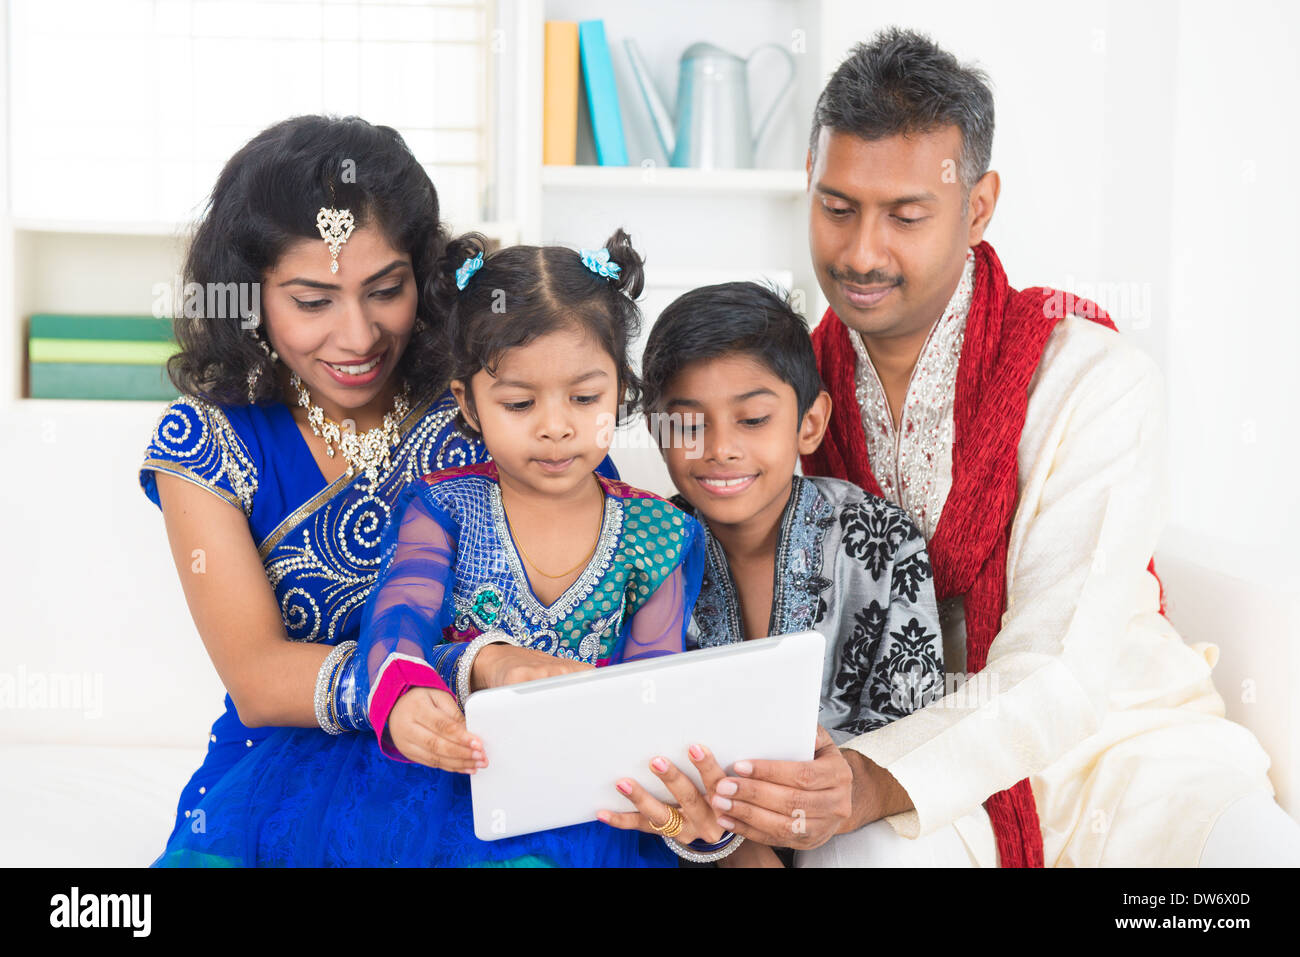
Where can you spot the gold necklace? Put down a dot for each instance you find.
(366, 451)
(580, 564)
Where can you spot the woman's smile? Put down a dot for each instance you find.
(357, 373)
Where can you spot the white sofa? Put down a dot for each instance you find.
(108, 804)
(90, 774)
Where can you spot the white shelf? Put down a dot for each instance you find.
(779, 183)
(101, 228)
(38, 406)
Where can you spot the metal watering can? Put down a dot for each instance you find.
(713, 120)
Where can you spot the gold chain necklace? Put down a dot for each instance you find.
(365, 451)
(580, 564)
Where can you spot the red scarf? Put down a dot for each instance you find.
(1006, 332)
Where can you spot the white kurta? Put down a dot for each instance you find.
(1088, 691)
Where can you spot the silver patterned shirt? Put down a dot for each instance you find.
(855, 568)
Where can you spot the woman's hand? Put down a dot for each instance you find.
(505, 664)
(426, 727)
(698, 819)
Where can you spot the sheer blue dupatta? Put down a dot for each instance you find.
(658, 626)
(409, 607)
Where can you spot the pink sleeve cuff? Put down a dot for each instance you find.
(398, 675)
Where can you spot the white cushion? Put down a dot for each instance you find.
(1255, 627)
(89, 806)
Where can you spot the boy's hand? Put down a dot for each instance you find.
(426, 727)
(505, 664)
(799, 804)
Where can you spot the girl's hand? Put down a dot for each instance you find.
(427, 728)
(699, 820)
(504, 664)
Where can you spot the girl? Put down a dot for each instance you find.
(490, 574)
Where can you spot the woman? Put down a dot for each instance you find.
(301, 420)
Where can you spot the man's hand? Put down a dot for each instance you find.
(876, 793)
(799, 804)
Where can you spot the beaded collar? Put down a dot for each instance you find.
(913, 463)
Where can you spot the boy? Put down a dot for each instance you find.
(733, 394)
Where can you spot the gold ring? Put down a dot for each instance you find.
(671, 827)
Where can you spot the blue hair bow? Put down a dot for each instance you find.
(467, 269)
(597, 260)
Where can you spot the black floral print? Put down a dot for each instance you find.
(911, 574)
(909, 674)
(873, 530)
(859, 652)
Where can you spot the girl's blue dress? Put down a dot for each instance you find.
(300, 797)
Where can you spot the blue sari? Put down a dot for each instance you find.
(321, 546)
(318, 540)
(450, 570)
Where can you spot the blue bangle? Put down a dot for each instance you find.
(699, 845)
(348, 705)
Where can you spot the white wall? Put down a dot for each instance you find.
(1146, 154)
(1234, 339)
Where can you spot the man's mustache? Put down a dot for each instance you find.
(870, 279)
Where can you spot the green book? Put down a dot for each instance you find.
(131, 328)
(107, 351)
(83, 380)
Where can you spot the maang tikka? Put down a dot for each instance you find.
(335, 227)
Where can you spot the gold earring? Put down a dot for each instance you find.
(257, 369)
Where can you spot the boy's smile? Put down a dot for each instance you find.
(725, 484)
(733, 454)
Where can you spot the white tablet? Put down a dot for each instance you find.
(557, 746)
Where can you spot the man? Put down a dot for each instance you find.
(1024, 436)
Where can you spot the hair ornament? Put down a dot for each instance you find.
(597, 260)
(467, 270)
(335, 226)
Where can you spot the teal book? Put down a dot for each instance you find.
(602, 95)
(128, 328)
(86, 380)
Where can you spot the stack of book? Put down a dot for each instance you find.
(99, 357)
(573, 48)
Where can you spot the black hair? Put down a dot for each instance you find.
(903, 83)
(732, 318)
(267, 198)
(523, 292)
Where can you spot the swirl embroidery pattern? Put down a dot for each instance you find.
(323, 569)
(195, 440)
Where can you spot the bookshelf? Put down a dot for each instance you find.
(758, 216)
(759, 183)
